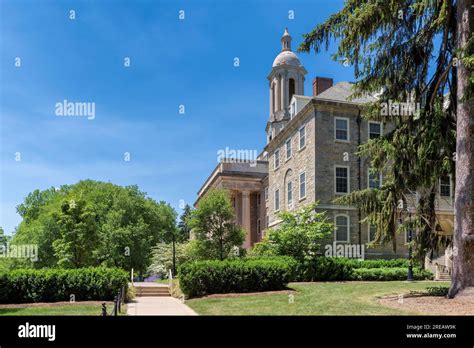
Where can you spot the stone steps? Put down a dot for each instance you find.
(152, 291)
(444, 276)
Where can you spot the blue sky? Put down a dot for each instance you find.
(173, 62)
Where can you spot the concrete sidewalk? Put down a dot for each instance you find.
(158, 306)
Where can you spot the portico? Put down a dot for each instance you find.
(243, 181)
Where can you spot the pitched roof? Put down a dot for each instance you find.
(341, 91)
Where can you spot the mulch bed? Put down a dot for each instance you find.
(431, 305)
(51, 304)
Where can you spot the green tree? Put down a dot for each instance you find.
(183, 226)
(213, 225)
(3, 237)
(299, 235)
(77, 234)
(162, 258)
(463, 245)
(405, 50)
(94, 223)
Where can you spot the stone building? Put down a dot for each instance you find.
(310, 156)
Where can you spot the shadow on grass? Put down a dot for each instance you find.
(285, 291)
(9, 311)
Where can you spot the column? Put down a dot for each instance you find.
(246, 222)
(238, 208)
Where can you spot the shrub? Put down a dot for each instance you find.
(375, 263)
(299, 235)
(438, 291)
(393, 273)
(29, 285)
(130, 294)
(175, 289)
(235, 275)
(323, 269)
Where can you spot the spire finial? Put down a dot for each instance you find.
(286, 41)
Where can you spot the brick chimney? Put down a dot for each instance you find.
(320, 84)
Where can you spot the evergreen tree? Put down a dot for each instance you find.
(183, 224)
(407, 51)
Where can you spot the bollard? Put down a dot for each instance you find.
(104, 310)
(120, 300)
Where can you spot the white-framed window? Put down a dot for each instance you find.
(277, 199)
(302, 185)
(341, 129)
(266, 193)
(374, 180)
(302, 137)
(445, 186)
(342, 224)
(341, 180)
(289, 193)
(371, 233)
(276, 158)
(288, 148)
(375, 129)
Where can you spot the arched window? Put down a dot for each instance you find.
(291, 86)
(342, 228)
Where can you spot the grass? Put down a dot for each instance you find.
(162, 281)
(335, 298)
(61, 310)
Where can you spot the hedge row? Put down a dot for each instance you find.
(394, 273)
(338, 269)
(374, 263)
(265, 274)
(235, 275)
(52, 285)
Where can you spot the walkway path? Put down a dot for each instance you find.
(157, 304)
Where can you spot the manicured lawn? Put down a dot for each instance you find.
(68, 309)
(335, 298)
(162, 281)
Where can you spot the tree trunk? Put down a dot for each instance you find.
(463, 239)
